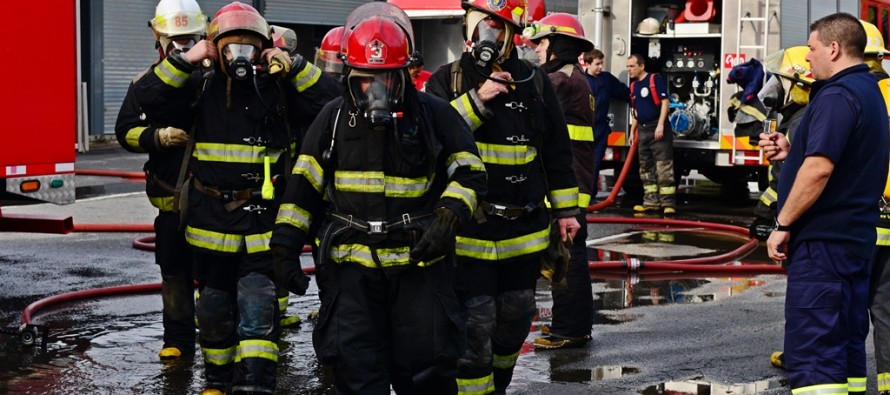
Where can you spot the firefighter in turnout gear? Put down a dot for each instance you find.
(560, 40)
(239, 155)
(523, 140)
(390, 174)
(177, 26)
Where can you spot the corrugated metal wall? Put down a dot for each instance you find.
(128, 49)
(796, 16)
(327, 12)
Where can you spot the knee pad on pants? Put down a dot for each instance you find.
(215, 315)
(515, 312)
(257, 305)
(481, 318)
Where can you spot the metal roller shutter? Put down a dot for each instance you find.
(329, 12)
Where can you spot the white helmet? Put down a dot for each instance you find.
(649, 26)
(177, 18)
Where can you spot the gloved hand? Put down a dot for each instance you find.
(288, 272)
(279, 63)
(438, 239)
(171, 137)
(555, 259)
(761, 228)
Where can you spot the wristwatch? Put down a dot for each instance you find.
(780, 227)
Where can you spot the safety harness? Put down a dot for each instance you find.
(652, 91)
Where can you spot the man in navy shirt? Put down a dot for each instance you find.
(649, 99)
(828, 192)
(604, 87)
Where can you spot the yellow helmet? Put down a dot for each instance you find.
(875, 43)
(790, 63)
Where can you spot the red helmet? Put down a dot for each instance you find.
(377, 43)
(561, 24)
(536, 10)
(327, 56)
(511, 11)
(239, 17)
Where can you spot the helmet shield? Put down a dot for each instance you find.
(238, 17)
(790, 63)
(376, 94)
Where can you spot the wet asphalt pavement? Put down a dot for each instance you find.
(654, 333)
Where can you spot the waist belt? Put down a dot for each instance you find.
(233, 198)
(159, 182)
(377, 227)
(509, 211)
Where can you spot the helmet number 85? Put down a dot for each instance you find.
(181, 21)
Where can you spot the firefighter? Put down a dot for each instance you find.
(162, 136)
(327, 54)
(244, 110)
(523, 140)
(390, 174)
(560, 40)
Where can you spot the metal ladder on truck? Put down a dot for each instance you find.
(760, 26)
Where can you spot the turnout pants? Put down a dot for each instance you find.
(397, 326)
(657, 166)
(238, 319)
(879, 306)
(573, 305)
(174, 256)
(826, 319)
(500, 303)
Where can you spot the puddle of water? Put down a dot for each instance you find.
(598, 373)
(700, 387)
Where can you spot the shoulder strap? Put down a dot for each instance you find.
(632, 85)
(652, 91)
(456, 78)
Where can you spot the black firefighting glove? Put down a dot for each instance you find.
(288, 272)
(438, 239)
(761, 228)
(555, 259)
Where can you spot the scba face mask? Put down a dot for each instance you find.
(376, 95)
(488, 36)
(239, 59)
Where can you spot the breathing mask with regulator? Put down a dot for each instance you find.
(487, 36)
(376, 95)
(239, 53)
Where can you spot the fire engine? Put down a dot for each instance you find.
(696, 44)
(39, 111)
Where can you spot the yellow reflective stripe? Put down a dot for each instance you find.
(459, 192)
(309, 168)
(511, 155)
(504, 361)
(306, 77)
(258, 242)
(884, 381)
(235, 153)
(556, 28)
(821, 389)
(132, 138)
(257, 349)
(378, 182)
(164, 203)
(464, 107)
(282, 303)
(883, 237)
(170, 75)
(856, 384)
(363, 255)
(219, 356)
(493, 250)
(583, 199)
(291, 214)
(650, 188)
(580, 133)
(769, 196)
(463, 159)
(480, 386)
(671, 190)
(563, 198)
(214, 241)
